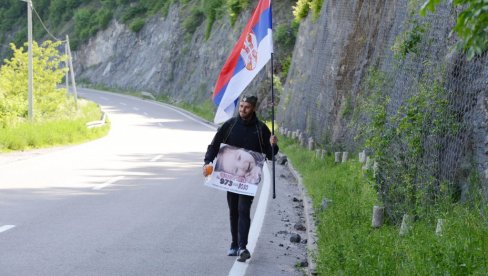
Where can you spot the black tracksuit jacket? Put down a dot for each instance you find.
(252, 135)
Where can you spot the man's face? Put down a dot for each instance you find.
(246, 110)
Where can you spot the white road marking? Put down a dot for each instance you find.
(6, 227)
(239, 268)
(108, 182)
(156, 158)
(124, 104)
(161, 124)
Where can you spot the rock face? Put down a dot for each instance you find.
(334, 56)
(162, 58)
(159, 59)
(331, 59)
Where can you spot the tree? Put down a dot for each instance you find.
(49, 101)
(471, 24)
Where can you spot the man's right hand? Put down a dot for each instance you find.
(207, 170)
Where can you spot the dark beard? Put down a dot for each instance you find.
(247, 118)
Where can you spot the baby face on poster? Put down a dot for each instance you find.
(239, 164)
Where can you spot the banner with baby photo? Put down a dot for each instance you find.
(237, 170)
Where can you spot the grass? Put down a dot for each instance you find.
(348, 245)
(54, 132)
(205, 110)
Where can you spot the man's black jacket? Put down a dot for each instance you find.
(249, 134)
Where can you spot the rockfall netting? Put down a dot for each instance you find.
(394, 82)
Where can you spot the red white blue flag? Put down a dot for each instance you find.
(250, 54)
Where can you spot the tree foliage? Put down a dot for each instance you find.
(471, 24)
(302, 8)
(49, 101)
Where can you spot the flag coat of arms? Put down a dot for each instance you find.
(249, 55)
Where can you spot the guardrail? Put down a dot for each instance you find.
(147, 95)
(99, 123)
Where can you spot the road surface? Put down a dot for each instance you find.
(131, 203)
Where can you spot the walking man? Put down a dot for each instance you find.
(248, 132)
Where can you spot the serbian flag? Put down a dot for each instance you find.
(250, 54)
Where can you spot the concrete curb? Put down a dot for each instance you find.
(99, 123)
(309, 221)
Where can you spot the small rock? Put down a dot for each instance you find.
(295, 238)
(303, 264)
(281, 245)
(282, 160)
(304, 241)
(325, 204)
(299, 226)
(295, 199)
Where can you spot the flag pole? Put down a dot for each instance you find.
(272, 125)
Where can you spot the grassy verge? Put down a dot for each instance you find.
(54, 132)
(348, 245)
(205, 110)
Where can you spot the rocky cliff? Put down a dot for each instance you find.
(336, 64)
(162, 58)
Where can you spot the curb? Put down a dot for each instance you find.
(309, 221)
(99, 123)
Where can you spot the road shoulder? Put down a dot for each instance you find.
(282, 245)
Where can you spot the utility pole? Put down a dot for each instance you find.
(72, 72)
(30, 71)
(66, 77)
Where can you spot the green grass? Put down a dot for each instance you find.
(348, 245)
(31, 135)
(205, 110)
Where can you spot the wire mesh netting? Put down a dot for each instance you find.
(396, 81)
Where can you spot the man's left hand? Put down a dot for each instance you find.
(273, 140)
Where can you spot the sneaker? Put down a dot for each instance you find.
(232, 251)
(243, 255)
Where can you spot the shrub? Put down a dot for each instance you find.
(48, 99)
(137, 25)
(195, 19)
(104, 16)
(235, 8)
(300, 10)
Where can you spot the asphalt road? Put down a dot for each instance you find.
(131, 203)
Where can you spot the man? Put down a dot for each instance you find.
(248, 132)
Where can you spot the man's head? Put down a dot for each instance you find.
(247, 106)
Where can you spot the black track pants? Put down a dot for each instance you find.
(240, 218)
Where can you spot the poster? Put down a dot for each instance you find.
(237, 170)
